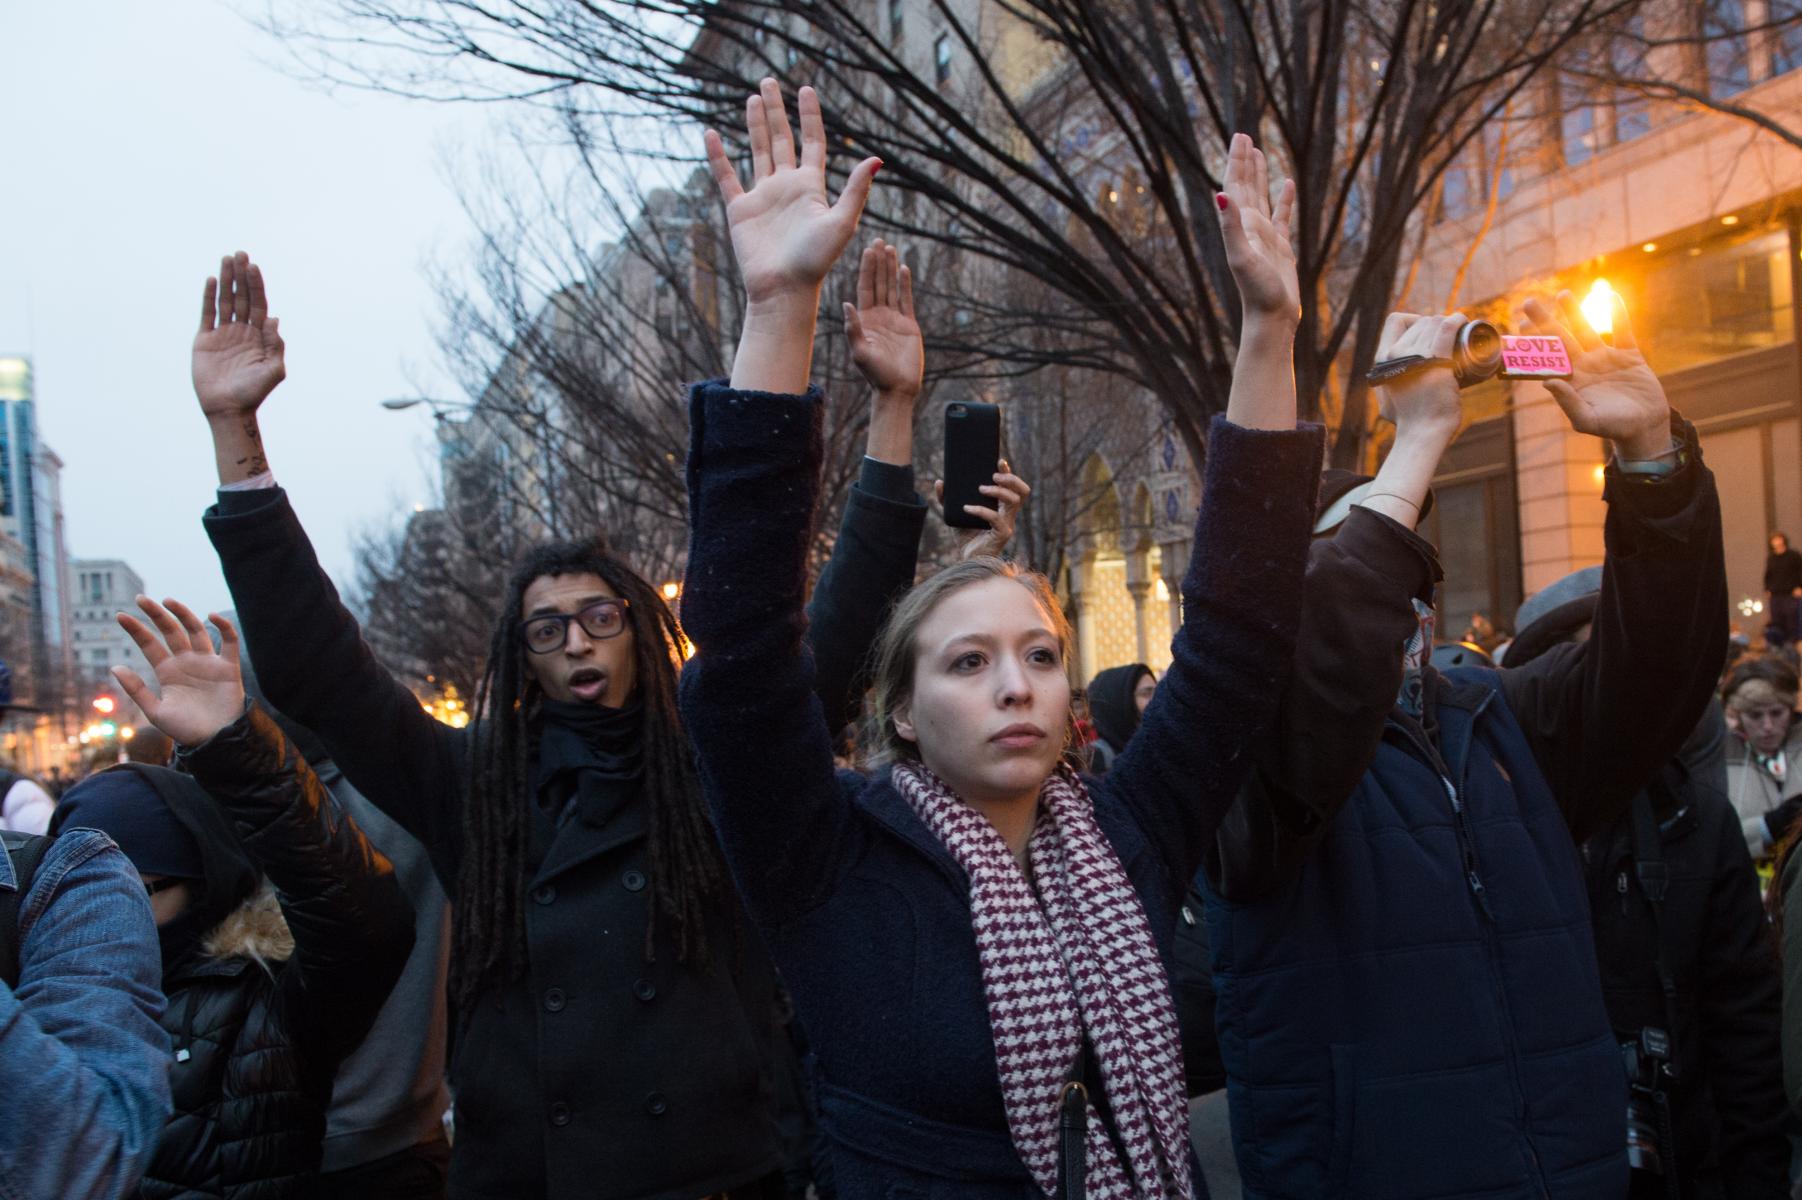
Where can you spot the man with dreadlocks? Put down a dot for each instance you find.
(615, 1015)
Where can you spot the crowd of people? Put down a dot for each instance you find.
(664, 928)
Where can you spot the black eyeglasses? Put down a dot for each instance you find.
(547, 634)
(153, 886)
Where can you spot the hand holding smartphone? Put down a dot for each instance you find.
(972, 455)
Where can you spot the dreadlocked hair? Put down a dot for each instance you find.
(687, 872)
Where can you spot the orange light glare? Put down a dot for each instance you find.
(103, 704)
(1598, 307)
(1649, 247)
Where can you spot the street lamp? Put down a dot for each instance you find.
(539, 433)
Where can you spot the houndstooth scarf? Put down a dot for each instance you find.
(1084, 958)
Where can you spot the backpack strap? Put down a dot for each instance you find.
(26, 851)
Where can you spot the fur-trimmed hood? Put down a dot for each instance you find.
(255, 930)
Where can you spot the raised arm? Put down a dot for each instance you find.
(760, 736)
(1358, 612)
(1242, 592)
(238, 359)
(352, 924)
(878, 539)
(309, 653)
(1602, 715)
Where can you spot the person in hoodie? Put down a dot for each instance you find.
(282, 929)
(1408, 1002)
(1117, 699)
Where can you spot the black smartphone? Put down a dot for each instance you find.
(972, 455)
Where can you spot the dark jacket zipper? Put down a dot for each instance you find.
(1473, 879)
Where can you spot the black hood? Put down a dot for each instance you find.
(227, 874)
(1111, 703)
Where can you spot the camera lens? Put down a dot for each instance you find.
(1477, 354)
(1482, 342)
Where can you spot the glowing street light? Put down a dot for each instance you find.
(103, 704)
(1598, 307)
(671, 590)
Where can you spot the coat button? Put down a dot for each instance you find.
(560, 1114)
(655, 1104)
(644, 989)
(633, 880)
(544, 893)
(554, 1000)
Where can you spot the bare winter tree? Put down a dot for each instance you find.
(1074, 142)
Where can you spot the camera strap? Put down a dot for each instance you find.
(1654, 882)
(1408, 364)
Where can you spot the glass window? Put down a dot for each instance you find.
(1725, 50)
(941, 57)
(1704, 303)
(1581, 131)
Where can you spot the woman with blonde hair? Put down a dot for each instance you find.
(975, 936)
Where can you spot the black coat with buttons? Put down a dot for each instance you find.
(599, 1074)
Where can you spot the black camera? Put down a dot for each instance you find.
(1650, 1134)
(1481, 352)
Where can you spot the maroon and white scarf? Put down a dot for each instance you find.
(1079, 956)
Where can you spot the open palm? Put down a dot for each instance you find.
(199, 690)
(238, 353)
(1612, 392)
(1257, 235)
(884, 335)
(786, 234)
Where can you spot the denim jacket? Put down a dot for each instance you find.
(84, 1064)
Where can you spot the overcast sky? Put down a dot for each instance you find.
(140, 141)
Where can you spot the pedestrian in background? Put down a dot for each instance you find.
(1783, 592)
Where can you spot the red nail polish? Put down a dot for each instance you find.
(1220, 199)
(878, 167)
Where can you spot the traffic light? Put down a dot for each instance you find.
(104, 705)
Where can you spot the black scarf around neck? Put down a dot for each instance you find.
(587, 751)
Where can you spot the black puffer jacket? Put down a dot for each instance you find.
(279, 993)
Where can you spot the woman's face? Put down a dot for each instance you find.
(991, 703)
(1764, 726)
(1142, 694)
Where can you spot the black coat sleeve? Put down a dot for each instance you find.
(315, 668)
(1357, 614)
(1740, 1000)
(748, 696)
(1602, 715)
(1232, 657)
(352, 924)
(872, 563)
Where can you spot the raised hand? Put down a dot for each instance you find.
(1612, 393)
(885, 338)
(238, 353)
(1426, 399)
(785, 233)
(198, 689)
(1257, 235)
(1010, 493)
